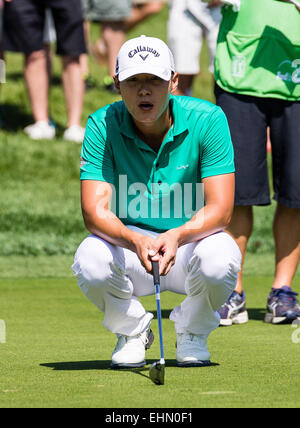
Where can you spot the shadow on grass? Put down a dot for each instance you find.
(257, 314)
(105, 365)
(14, 118)
(165, 313)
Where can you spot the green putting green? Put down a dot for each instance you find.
(57, 354)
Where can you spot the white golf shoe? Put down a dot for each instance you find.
(191, 350)
(130, 350)
(40, 130)
(74, 133)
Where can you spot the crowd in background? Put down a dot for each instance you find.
(33, 27)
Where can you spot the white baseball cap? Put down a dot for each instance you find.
(145, 55)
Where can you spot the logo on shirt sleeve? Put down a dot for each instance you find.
(82, 162)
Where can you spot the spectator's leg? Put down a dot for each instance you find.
(36, 78)
(73, 88)
(84, 57)
(240, 229)
(140, 12)
(286, 229)
(113, 34)
(185, 83)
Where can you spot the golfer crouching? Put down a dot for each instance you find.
(157, 184)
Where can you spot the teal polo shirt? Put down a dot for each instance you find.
(157, 191)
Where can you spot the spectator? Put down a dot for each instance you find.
(111, 14)
(23, 31)
(195, 20)
(143, 9)
(138, 12)
(257, 73)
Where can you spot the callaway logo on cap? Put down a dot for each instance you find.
(145, 55)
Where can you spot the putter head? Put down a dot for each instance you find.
(157, 373)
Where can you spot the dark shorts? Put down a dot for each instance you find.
(24, 20)
(248, 119)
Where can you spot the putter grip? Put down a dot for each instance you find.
(155, 268)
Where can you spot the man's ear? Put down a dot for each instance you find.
(117, 83)
(174, 83)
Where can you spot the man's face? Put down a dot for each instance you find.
(146, 96)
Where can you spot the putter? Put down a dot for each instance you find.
(157, 369)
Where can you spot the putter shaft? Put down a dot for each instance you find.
(157, 370)
(158, 307)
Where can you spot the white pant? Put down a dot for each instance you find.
(113, 278)
(188, 21)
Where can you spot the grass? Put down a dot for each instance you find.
(57, 354)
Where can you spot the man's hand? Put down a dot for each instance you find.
(144, 246)
(164, 250)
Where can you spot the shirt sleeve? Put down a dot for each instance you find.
(96, 162)
(217, 156)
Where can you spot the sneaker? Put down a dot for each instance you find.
(191, 350)
(234, 310)
(282, 306)
(74, 133)
(40, 130)
(130, 350)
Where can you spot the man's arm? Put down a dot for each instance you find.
(101, 221)
(213, 217)
(216, 214)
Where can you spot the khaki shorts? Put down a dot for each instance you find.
(106, 10)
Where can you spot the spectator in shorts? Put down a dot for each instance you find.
(189, 22)
(137, 11)
(111, 14)
(143, 9)
(24, 32)
(257, 73)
